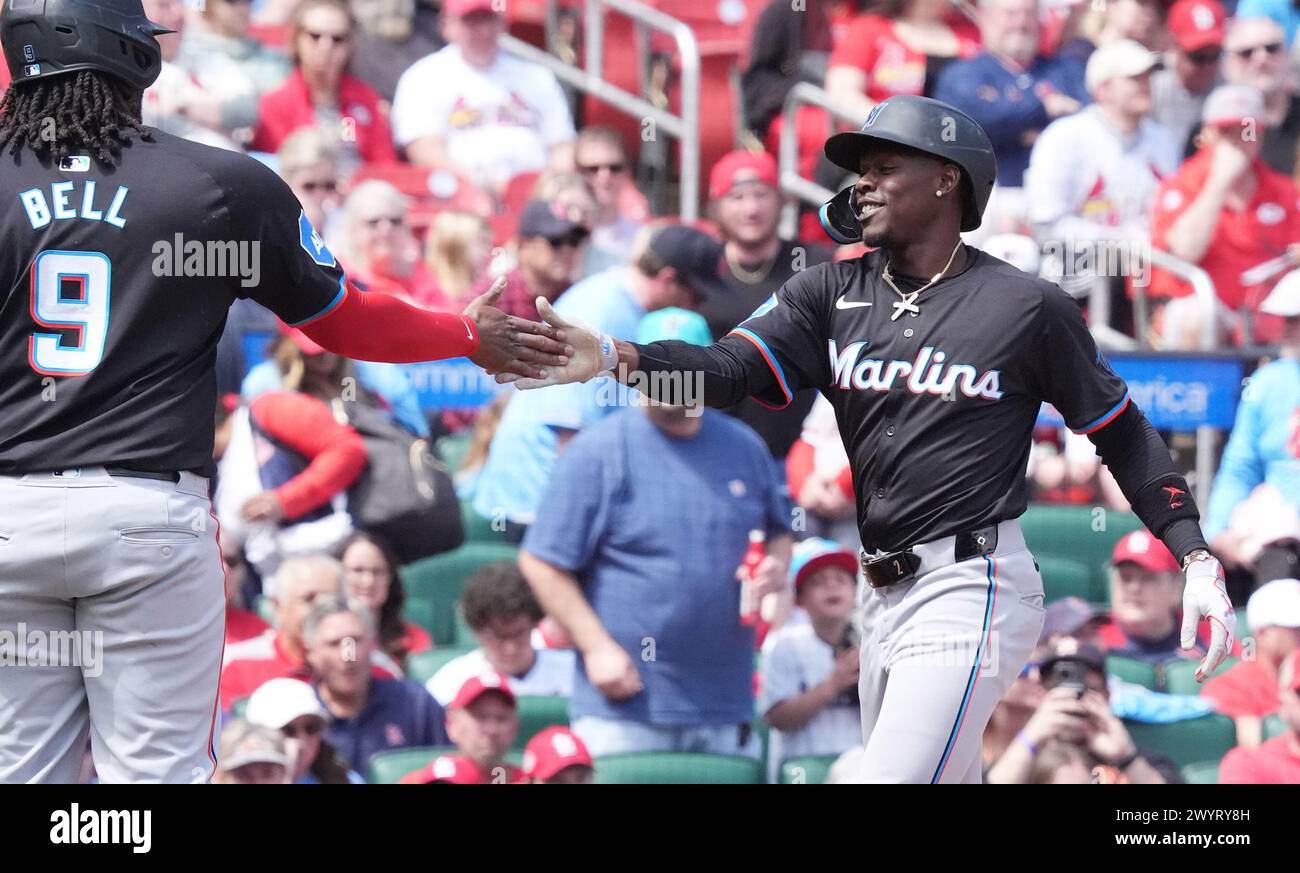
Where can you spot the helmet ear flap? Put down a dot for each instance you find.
(839, 220)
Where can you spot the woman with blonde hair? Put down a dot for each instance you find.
(457, 252)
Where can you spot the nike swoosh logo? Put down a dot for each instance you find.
(841, 303)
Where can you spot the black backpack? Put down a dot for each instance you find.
(405, 494)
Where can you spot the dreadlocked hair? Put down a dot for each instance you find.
(85, 111)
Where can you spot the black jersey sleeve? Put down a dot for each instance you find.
(787, 336)
(300, 279)
(1070, 371)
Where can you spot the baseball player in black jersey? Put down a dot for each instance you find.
(936, 357)
(122, 249)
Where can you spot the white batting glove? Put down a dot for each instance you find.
(1206, 596)
(593, 352)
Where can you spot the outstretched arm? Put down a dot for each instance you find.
(752, 360)
(372, 326)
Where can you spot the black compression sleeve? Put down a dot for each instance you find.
(718, 370)
(1139, 460)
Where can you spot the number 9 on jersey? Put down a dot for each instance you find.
(69, 290)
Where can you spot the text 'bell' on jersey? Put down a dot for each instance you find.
(936, 407)
(114, 285)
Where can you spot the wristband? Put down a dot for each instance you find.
(1027, 743)
(608, 353)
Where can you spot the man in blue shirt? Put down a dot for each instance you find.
(674, 266)
(636, 554)
(1008, 88)
(1264, 449)
(367, 715)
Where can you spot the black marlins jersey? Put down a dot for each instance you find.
(936, 407)
(114, 286)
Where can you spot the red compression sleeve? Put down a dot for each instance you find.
(373, 326)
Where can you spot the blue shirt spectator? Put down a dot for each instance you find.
(1262, 448)
(654, 527)
(1283, 12)
(1011, 91)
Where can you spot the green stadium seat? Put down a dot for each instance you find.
(806, 771)
(1063, 577)
(1273, 726)
(420, 668)
(1193, 741)
(477, 528)
(1068, 532)
(1131, 670)
(387, 767)
(1180, 675)
(440, 581)
(677, 768)
(536, 713)
(462, 632)
(452, 449)
(1204, 773)
(420, 612)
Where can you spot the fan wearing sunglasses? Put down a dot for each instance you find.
(318, 93)
(291, 707)
(1254, 54)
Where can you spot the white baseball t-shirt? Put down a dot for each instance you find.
(495, 123)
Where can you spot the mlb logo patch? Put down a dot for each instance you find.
(313, 244)
(32, 70)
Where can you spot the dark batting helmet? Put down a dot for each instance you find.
(926, 125)
(48, 37)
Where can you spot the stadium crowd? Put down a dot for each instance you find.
(576, 598)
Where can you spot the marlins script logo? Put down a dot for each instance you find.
(929, 373)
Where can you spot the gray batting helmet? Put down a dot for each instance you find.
(928, 126)
(45, 38)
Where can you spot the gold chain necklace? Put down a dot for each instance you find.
(908, 303)
(752, 277)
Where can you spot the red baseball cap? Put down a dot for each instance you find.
(476, 686)
(552, 750)
(1196, 24)
(1141, 548)
(461, 8)
(445, 769)
(741, 166)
